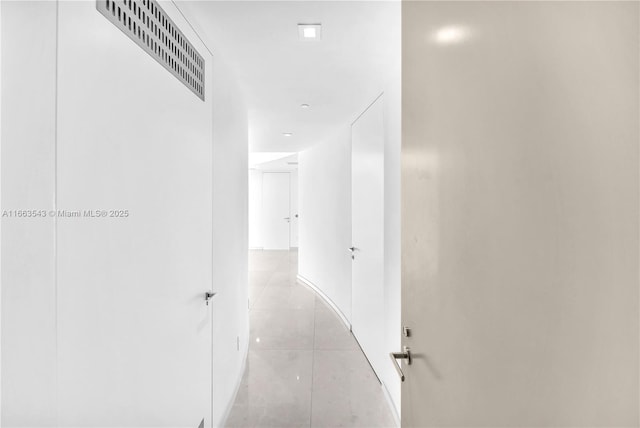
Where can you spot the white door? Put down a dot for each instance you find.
(276, 214)
(294, 210)
(134, 333)
(367, 139)
(520, 214)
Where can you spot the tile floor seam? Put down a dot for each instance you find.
(339, 363)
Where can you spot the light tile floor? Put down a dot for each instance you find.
(304, 368)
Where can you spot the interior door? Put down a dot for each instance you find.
(276, 215)
(520, 214)
(367, 251)
(134, 146)
(294, 209)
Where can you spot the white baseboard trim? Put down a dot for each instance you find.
(327, 300)
(345, 321)
(392, 406)
(227, 411)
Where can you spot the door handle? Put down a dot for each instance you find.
(352, 249)
(405, 355)
(208, 296)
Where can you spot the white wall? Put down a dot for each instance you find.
(325, 225)
(29, 318)
(28, 152)
(324, 180)
(392, 289)
(325, 216)
(255, 209)
(28, 264)
(230, 220)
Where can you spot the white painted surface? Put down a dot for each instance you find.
(255, 209)
(337, 76)
(230, 206)
(293, 242)
(325, 212)
(31, 394)
(28, 263)
(520, 213)
(367, 232)
(392, 295)
(134, 333)
(325, 218)
(0, 220)
(275, 210)
(264, 224)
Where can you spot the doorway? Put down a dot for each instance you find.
(367, 229)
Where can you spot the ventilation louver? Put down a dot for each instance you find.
(147, 24)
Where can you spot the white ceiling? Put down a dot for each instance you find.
(287, 163)
(338, 76)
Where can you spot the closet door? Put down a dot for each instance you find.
(134, 160)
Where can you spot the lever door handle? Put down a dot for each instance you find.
(208, 296)
(405, 355)
(352, 249)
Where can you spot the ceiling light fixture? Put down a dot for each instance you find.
(305, 106)
(310, 31)
(287, 134)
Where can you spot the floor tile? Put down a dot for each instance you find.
(281, 329)
(346, 392)
(330, 331)
(304, 366)
(281, 297)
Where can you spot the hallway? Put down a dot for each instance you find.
(304, 367)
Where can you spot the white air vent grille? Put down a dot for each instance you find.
(147, 24)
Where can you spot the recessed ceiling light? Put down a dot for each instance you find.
(287, 134)
(304, 106)
(310, 31)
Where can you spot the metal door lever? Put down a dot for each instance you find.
(395, 356)
(208, 296)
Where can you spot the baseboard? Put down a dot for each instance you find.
(327, 300)
(227, 411)
(345, 321)
(392, 406)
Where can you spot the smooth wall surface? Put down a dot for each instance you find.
(367, 233)
(28, 261)
(325, 227)
(131, 313)
(520, 213)
(324, 179)
(29, 335)
(255, 209)
(230, 237)
(392, 297)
